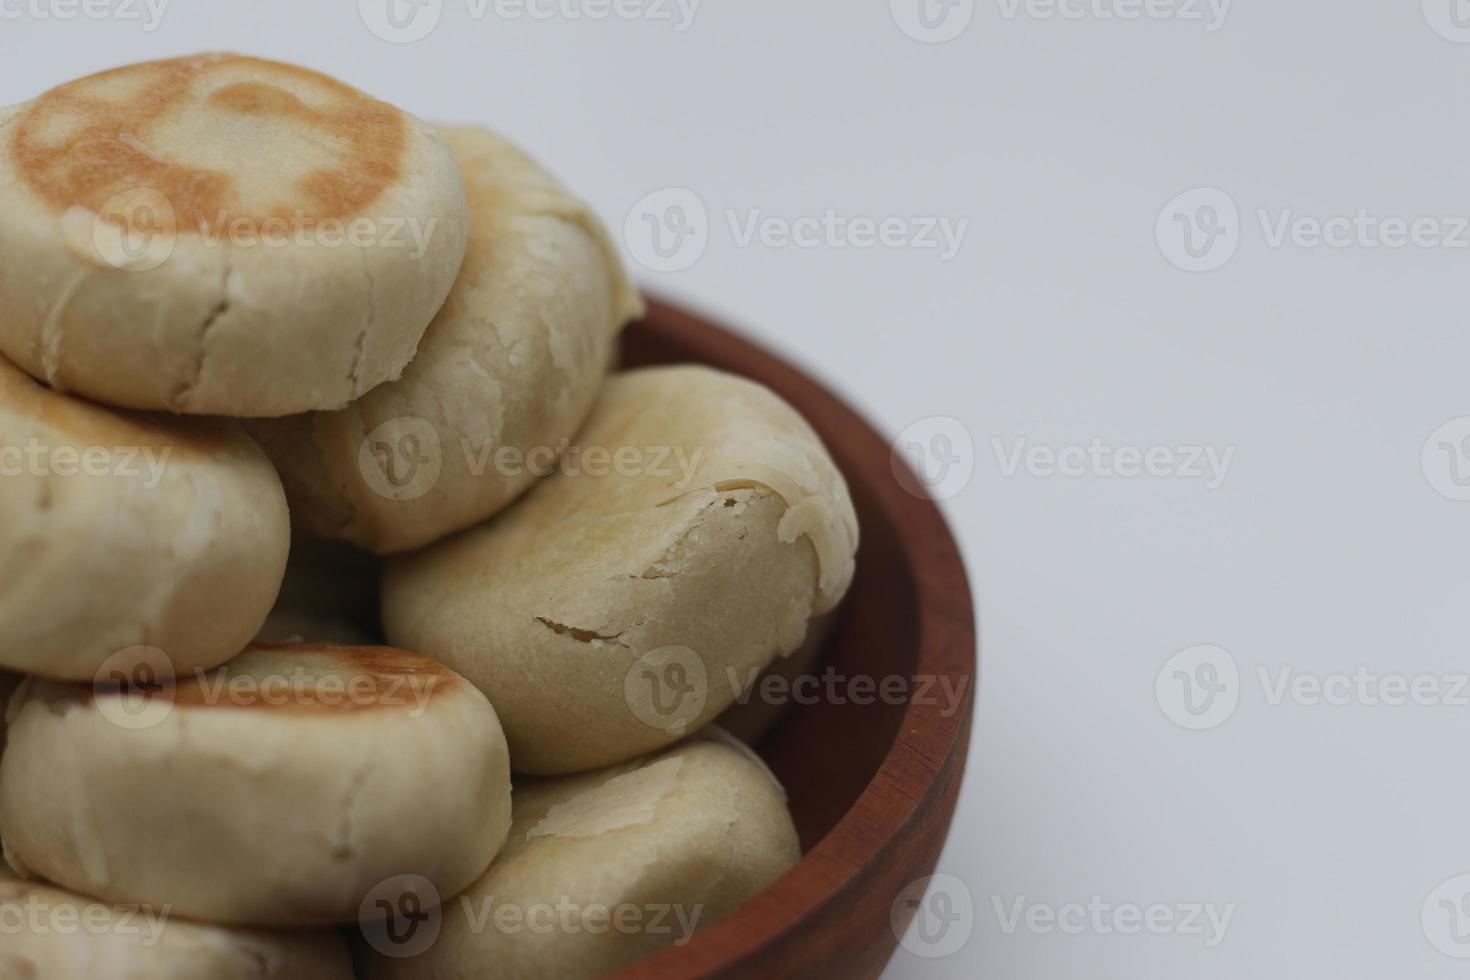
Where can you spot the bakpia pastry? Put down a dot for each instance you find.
(616, 608)
(51, 932)
(606, 867)
(279, 789)
(121, 529)
(504, 377)
(221, 235)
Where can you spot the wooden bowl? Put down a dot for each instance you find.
(872, 785)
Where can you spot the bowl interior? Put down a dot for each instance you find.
(827, 748)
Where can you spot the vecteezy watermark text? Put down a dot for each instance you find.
(669, 230)
(402, 917)
(148, 14)
(1201, 686)
(565, 917)
(138, 688)
(1202, 229)
(408, 21)
(938, 21)
(1210, 13)
(404, 458)
(833, 687)
(298, 686)
(1206, 920)
(35, 458)
(835, 230)
(35, 915)
(1209, 464)
(300, 230)
(138, 230)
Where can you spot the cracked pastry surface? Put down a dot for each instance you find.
(43, 939)
(606, 867)
(614, 611)
(512, 363)
(221, 235)
(276, 790)
(121, 529)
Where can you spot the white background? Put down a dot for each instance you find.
(1324, 828)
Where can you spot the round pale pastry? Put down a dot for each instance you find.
(604, 868)
(221, 235)
(120, 529)
(279, 789)
(48, 932)
(504, 377)
(696, 528)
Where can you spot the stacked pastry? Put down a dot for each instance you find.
(238, 297)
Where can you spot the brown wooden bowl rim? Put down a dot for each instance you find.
(928, 743)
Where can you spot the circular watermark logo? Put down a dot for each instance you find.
(1446, 917)
(134, 688)
(1199, 687)
(932, 21)
(1450, 19)
(934, 458)
(401, 459)
(401, 21)
(667, 689)
(135, 231)
(933, 917)
(1199, 230)
(1445, 459)
(667, 230)
(401, 916)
